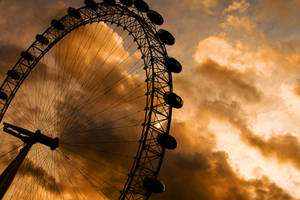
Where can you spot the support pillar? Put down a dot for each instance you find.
(10, 172)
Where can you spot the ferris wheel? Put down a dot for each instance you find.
(86, 110)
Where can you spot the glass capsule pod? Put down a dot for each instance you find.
(173, 65)
(166, 37)
(153, 185)
(141, 5)
(3, 96)
(13, 74)
(109, 2)
(173, 100)
(27, 56)
(126, 2)
(91, 4)
(42, 39)
(155, 17)
(57, 24)
(74, 13)
(167, 141)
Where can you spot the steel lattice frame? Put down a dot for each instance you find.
(148, 160)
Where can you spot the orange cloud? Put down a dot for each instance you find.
(229, 82)
(207, 5)
(202, 173)
(285, 148)
(240, 6)
(238, 55)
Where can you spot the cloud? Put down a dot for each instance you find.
(225, 93)
(285, 148)
(245, 38)
(27, 19)
(297, 88)
(204, 173)
(266, 59)
(41, 177)
(235, 55)
(207, 5)
(240, 6)
(285, 12)
(240, 24)
(229, 82)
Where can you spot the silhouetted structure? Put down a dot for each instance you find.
(140, 22)
(29, 138)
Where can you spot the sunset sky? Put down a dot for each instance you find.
(239, 129)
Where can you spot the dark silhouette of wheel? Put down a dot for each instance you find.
(100, 80)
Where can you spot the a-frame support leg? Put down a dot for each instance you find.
(10, 172)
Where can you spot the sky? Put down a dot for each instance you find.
(238, 132)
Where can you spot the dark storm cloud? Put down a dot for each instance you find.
(30, 170)
(41, 176)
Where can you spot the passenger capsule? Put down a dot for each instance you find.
(141, 5)
(173, 100)
(110, 2)
(13, 74)
(27, 56)
(57, 24)
(166, 37)
(173, 65)
(126, 2)
(3, 96)
(74, 13)
(167, 141)
(153, 185)
(155, 17)
(91, 4)
(42, 39)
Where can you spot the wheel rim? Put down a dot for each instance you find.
(157, 117)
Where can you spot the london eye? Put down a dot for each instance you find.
(86, 110)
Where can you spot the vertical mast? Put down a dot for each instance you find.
(10, 172)
(29, 138)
